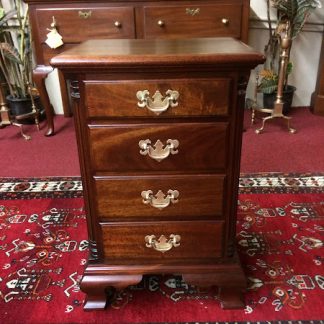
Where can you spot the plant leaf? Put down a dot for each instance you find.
(10, 52)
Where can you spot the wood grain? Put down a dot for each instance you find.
(209, 97)
(199, 240)
(206, 22)
(120, 197)
(115, 148)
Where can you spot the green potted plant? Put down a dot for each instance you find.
(294, 14)
(16, 60)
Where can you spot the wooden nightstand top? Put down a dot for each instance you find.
(146, 52)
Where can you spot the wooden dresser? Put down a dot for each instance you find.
(317, 101)
(159, 129)
(77, 21)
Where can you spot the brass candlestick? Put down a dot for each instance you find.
(4, 111)
(6, 119)
(277, 111)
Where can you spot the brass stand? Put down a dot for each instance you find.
(6, 120)
(277, 111)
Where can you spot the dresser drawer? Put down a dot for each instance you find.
(78, 24)
(193, 21)
(160, 196)
(135, 241)
(198, 97)
(158, 147)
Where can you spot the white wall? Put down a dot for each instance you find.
(305, 55)
(305, 50)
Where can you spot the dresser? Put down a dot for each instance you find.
(317, 100)
(159, 130)
(77, 21)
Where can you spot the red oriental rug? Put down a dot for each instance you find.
(43, 250)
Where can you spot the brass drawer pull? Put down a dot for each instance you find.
(161, 23)
(162, 244)
(160, 200)
(117, 24)
(158, 103)
(85, 14)
(158, 151)
(225, 21)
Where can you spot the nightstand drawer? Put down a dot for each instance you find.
(159, 197)
(193, 21)
(139, 98)
(80, 23)
(167, 241)
(158, 147)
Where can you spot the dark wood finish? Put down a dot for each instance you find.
(120, 197)
(109, 143)
(137, 19)
(317, 102)
(199, 241)
(118, 99)
(205, 171)
(205, 21)
(39, 76)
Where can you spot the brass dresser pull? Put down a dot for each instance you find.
(161, 23)
(158, 151)
(158, 103)
(85, 14)
(160, 200)
(117, 24)
(225, 21)
(162, 244)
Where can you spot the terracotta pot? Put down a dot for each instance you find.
(269, 99)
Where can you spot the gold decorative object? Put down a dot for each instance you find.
(6, 119)
(225, 21)
(192, 11)
(158, 151)
(158, 103)
(277, 111)
(85, 14)
(162, 244)
(160, 23)
(117, 24)
(160, 200)
(4, 111)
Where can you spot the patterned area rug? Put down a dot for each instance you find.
(43, 250)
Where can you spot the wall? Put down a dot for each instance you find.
(305, 55)
(305, 51)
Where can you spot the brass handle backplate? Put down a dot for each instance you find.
(158, 151)
(85, 14)
(162, 244)
(160, 200)
(192, 11)
(158, 103)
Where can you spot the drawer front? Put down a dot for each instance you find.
(158, 147)
(134, 241)
(152, 197)
(76, 25)
(193, 21)
(200, 97)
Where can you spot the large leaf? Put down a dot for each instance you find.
(296, 12)
(10, 52)
(5, 17)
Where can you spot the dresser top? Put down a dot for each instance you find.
(161, 52)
